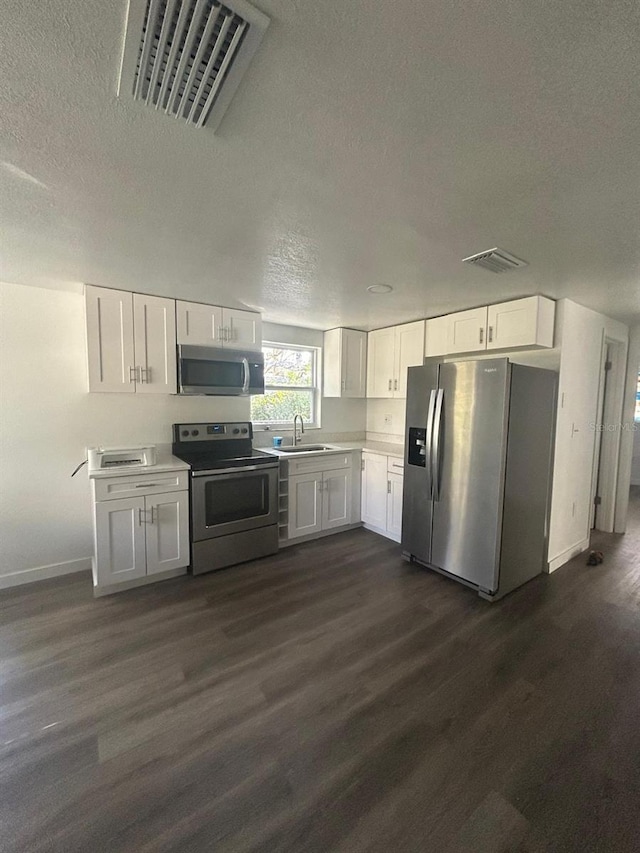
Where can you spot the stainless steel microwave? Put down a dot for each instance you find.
(219, 372)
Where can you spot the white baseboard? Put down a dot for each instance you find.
(40, 573)
(567, 555)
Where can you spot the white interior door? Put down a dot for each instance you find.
(409, 352)
(120, 540)
(243, 330)
(167, 532)
(305, 504)
(467, 331)
(394, 505)
(381, 363)
(336, 498)
(109, 315)
(198, 325)
(154, 322)
(374, 490)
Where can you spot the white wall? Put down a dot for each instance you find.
(635, 464)
(48, 419)
(581, 333)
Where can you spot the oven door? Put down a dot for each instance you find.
(233, 500)
(215, 371)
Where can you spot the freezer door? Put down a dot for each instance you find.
(422, 383)
(469, 440)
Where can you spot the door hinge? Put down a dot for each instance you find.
(597, 500)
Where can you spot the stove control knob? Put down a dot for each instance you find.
(244, 430)
(236, 431)
(185, 432)
(195, 432)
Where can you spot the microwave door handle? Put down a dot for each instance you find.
(247, 376)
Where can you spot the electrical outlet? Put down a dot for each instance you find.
(388, 420)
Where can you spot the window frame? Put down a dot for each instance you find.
(315, 388)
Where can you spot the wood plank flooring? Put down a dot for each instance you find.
(329, 698)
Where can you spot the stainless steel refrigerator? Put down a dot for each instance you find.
(479, 444)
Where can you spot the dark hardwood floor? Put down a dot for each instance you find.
(330, 698)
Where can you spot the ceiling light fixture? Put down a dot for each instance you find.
(379, 288)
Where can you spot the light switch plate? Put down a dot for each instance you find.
(388, 420)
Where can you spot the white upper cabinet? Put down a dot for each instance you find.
(345, 363)
(210, 325)
(154, 332)
(467, 331)
(131, 342)
(519, 324)
(381, 363)
(409, 353)
(391, 352)
(197, 324)
(109, 315)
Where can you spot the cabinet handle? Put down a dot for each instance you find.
(152, 509)
(146, 485)
(388, 487)
(133, 372)
(344, 385)
(362, 465)
(481, 335)
(395, 384)
(389, 385)
(490, 334)
(140, 516)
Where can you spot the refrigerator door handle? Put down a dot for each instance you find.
(435, 446)
(428, 448)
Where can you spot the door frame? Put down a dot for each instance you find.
(607, 449)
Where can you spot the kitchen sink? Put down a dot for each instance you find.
(306, 448)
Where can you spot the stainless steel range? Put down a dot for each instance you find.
(234, 494)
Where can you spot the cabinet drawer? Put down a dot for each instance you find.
(330, 462)
(395, 465)
(111, 488)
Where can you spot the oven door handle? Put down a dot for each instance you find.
(247, 376)
(227, 471)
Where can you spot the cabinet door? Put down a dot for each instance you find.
(120, 540)
(200, 325)
(154, 323)
(521, 323)
(354, 363)
(381, 363)
(436, 338)
(467, 331)
(242, 330)
(305, 504)
(374, 490)
(409, 352)
(395, 485)
(167, 531)
(109, 316)
(336, 498)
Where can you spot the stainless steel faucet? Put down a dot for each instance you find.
(297, 438)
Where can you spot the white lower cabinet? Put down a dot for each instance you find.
(139, 535)
(382, 484)
(317, 494)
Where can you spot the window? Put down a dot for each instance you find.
(291, 387)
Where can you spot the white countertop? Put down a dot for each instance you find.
(165, 462)
(384, 448)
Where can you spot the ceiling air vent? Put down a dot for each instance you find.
(496, 260)
(187, 57)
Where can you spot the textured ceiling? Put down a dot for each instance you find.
(369, 142)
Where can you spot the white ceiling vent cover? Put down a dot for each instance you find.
(187, 57)
(496, 260)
